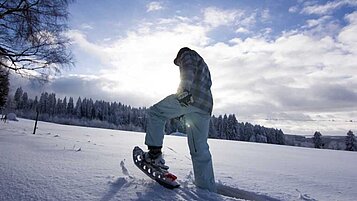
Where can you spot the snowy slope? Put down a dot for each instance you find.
(76, 163)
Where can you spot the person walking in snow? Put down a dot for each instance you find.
(193, 102)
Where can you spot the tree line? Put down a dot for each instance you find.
(350, 141)
(83, 112)
(115, 115)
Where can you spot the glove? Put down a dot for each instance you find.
(185, 98)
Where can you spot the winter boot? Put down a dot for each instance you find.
(155, 159)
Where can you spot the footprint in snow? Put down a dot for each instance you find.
(305, 197)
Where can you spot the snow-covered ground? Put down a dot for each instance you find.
(76, 163)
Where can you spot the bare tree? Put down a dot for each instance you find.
(32, 39)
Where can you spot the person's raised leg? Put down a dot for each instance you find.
(158, 114)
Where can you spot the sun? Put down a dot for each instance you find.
(162, 82)
(152, 83)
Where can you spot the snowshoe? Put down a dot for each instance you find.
(158, 173)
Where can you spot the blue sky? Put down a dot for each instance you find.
(279, 63)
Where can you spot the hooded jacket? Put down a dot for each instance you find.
(195, 78)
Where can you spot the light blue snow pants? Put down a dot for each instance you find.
(197, 128)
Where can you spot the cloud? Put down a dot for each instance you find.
(86, 26)
(154, 6)
(316, 22)
(323, 26)
(328, 7)
(95, 87)
(299, 74)
(242, 30)
(265, 15)
(347, 36)
(80, 38)
(217, 17)
(294, 9)
(295, 73)
(248, 20)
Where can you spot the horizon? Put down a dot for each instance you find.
(284, 64)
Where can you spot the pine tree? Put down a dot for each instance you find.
(4, 86)
(90, 109)
(42, 102)
(280, 139)
(64, 106)
(70, 106)
(84, 107)
(260, 134)
(58, 109)
(351, 144)
(241, 131)
(50, 107)
(34, 106)
(219, 126)
(78, 108)
(248, 131)
(24, 101)
(317, 140)
(225, 127)
(17, 97)
(271, 136)
(212, 128)
(232, 128)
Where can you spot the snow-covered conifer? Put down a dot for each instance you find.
(4, 86)
(70, 106)
(317, 140)
(17, 97)
(351, 144)
(78, 108)
(24, 101)
(232, 128)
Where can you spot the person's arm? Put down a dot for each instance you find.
(187, 72)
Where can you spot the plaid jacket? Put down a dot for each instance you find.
(195, 78)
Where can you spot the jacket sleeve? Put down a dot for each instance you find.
(187, 71)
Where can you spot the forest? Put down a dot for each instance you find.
(116, 115)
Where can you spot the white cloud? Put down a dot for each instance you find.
(348, 34)
(316, 22)
(248, 21)
(80, 38)
(242, 30)
(265, 15)
(294, 9)
(216, 17)
(328, 7)
(352, 18)
(154, 6)
(86, 26)
(323, 26)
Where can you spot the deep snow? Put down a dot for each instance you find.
(77, 163)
